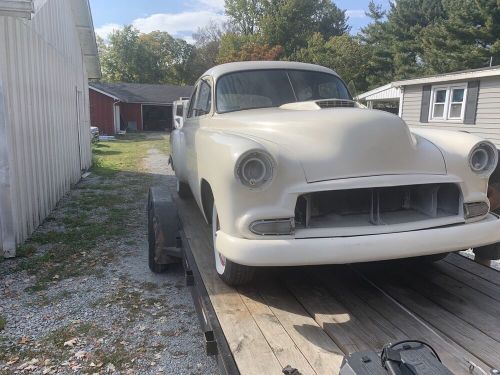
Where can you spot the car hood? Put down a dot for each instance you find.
(339, 142)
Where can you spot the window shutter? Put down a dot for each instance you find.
(471, 102)
(426, 103)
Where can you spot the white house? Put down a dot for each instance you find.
(466, 101)
(47, 53)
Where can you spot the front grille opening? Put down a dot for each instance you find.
(377, 206)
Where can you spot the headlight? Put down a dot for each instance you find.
(483, 158)
(255, 169)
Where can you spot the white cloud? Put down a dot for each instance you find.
(105, 30)
(180, 25)
(356, 13)
(177, 23)
(213, 5)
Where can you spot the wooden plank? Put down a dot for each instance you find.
(374, 323)
(284, 348)
(321, 352)
(252, 352)
(350, 333)
(477, 283)
(450, 352)
(447, 322)
(477, 309)
(466, 264)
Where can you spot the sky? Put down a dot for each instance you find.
(181, 18)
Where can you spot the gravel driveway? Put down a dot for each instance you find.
(82, 299)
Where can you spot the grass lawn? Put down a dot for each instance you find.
(126, 153)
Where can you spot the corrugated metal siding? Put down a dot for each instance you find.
(488, 111)
(47, 118)
(101, 112)
(392, 93)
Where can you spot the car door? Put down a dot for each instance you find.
(200, 108)
(178, 144)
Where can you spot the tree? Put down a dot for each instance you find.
(244, 15)
(207, 45)
(345, 54)
(469, 37)
(406, 21)
(157, 57)
(120, 58)
(377, 38)
(237, 47)
(290, 23)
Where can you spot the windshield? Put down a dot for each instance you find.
(273, 88)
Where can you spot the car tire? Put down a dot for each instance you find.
(183, 190)
(153, 266)
(231, 273)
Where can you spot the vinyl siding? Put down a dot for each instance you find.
(42, 78)
(488, 110)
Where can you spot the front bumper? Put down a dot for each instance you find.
(338, 250)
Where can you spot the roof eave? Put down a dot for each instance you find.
(85, 26)
(449, 77)
(105, 93)
(17, 8)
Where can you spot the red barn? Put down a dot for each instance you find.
(133, 106)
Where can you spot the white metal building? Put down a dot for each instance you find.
(47, 53)
(386, 95)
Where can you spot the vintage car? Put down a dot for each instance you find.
(289, 171)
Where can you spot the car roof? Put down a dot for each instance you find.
(220, 70)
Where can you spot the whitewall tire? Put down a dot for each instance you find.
(231, 273)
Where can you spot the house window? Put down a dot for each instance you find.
(448, 103)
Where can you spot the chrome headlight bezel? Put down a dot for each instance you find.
(483, 158)
(260, 158)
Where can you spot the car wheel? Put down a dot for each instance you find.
(231, 273)
(153, 265)
(183, 190)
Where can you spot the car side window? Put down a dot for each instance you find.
(192, 102)
(203, 101)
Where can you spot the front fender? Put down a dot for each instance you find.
(217, 156)
(456, 148)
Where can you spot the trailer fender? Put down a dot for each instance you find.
(163, 229)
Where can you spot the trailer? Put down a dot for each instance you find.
(304, 320)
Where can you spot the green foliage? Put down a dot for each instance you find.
(410, 39)
(273, 29)
(157, 57)
(419, 37)
(467, 38)
(241, 47)
(245, 15)
(290, 23)
(344, 54)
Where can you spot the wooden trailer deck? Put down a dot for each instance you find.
(310, 317)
